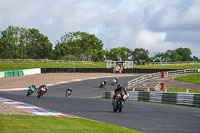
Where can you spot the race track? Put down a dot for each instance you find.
(145, 117)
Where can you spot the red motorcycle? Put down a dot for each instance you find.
(41, 91)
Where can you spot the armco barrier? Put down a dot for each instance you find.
(1, 74)
(161, 97)
(32, 71)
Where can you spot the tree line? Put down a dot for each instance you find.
(29, 43)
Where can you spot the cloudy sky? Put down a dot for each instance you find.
(156, 25)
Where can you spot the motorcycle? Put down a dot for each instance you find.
(68, 93)
(30, 91)
(40, 92)
(118, 102)
(102, 84)
(114, 82)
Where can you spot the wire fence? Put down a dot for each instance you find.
(172, 63)
(47, 60)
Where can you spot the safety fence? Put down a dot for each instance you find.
(20, 72)
(161, 97)
(144, 78)
(172, 63)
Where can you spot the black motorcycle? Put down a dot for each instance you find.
(103, 83)
(114, 82)
(118, 102)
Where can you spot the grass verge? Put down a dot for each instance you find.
(33, 124)
(178, 105)
(181, 90)
(4, 66)
(193, 78)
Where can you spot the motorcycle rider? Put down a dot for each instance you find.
(69, 89)
(124, 92)
(32, 87)
(44, 88)
(103, 82)
(116, 79)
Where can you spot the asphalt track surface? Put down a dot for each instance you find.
(145, 117)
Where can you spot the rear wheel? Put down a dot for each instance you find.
(115, 106)
(39, 94)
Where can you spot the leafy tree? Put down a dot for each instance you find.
(172, 56)
(194, 58)
(140, 56)
(159, 57)
(185, 54)
(179, 54)
(118, 54)
(17, 42)
(79, 46)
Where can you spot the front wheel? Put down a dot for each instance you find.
(120, 106)
(115, 106)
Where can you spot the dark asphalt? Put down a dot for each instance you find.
(146, 117)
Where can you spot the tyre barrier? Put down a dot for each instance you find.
(13, 73)
(108, 94)
(161, 97)
(76, 70)
(20, 72)
(138, 70)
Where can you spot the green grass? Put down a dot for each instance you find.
(34, 124)
(193, 78)
(179, 105)
(174, 66)
(4, 66)
(182, 90)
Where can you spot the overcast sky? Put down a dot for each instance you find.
(156, 25)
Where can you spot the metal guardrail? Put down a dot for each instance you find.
(47, 60)
(144, 78)
(170, 63)
(157, 87)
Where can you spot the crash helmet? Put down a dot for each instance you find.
(33, 85)
(116, 77)
(44, 86)
(69, 88)
(119, 86)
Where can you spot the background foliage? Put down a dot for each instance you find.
(27, 43)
